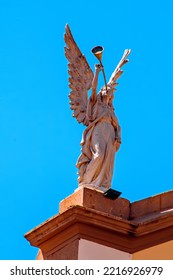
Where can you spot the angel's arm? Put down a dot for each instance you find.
(95, 82)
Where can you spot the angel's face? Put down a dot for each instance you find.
(107, 93)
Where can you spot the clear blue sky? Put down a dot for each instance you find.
(39, 142)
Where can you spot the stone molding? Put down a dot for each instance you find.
(113, 231)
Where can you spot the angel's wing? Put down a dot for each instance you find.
(118, 72)
(81, 77)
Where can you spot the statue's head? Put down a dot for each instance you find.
(107, 92)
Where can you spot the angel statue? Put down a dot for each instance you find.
(102, 136)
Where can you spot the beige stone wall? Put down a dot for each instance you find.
(163, 251)
(93, 251)
(90, 250)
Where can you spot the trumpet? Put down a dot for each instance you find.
(98, 51)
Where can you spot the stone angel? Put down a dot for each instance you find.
(102, 136)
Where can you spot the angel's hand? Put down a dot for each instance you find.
(98, 67)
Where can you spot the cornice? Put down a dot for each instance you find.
(116, 232)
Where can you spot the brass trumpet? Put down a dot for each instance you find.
(97, 51)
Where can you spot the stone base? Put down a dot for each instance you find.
(95, 199)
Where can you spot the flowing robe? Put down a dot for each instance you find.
(96, 162)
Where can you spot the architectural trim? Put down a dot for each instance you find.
(122, 234)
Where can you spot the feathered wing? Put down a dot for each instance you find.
(81, 77)
(118, 72)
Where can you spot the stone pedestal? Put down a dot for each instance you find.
(95, 199)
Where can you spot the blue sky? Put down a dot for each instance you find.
(39, 142)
